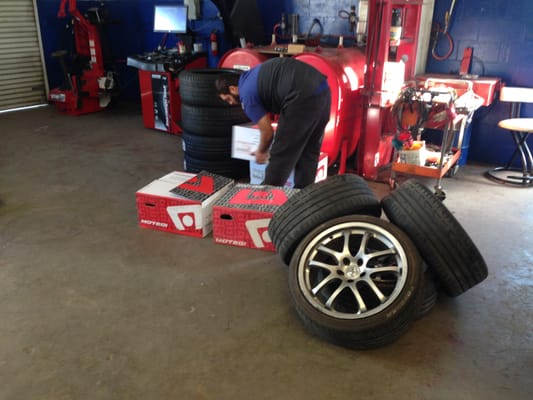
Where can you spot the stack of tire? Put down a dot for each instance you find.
(359, 280)
(207, 123)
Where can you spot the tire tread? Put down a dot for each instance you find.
(337, 196)
(444, 244)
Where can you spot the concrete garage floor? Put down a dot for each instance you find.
(94, 307)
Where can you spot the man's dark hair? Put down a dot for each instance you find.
(224, 81)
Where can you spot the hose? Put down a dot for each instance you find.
(446, 35)
(316, 21)
(444, 31)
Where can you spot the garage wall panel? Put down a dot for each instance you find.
(22, 79)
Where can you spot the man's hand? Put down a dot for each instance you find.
(261, 157)
(262, 153)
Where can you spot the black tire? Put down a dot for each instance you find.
(429, 295)
(211, 121)
(356, 281)
(197, 86)
(445, 246)
(336, 196)
(230, 168)
(206, 147)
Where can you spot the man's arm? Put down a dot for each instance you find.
(267, 135)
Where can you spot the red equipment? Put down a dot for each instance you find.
(390, 60)
(242, 59)
(161, 103)
(344, 68)
(89, 89)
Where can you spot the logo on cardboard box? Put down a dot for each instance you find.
(259, 197)
(201, 186)
(186, 217)
(258, 230)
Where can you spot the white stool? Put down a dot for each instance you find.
(520, 129)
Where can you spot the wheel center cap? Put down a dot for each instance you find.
(352, 271)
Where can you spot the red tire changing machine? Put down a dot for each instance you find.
(88, 90)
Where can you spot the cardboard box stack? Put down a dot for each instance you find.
(196, 204)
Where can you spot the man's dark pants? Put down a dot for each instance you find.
(298, 140)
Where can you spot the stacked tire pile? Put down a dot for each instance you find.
(207, 125)
(359, 280)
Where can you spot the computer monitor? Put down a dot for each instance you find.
(170, 19)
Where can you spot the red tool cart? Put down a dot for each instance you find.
(437, 102)
(415, 110)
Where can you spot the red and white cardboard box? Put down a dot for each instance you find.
(245, 140)
(257, 172)
(181, 202)
(241, 216)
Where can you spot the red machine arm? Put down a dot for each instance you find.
(72, 9)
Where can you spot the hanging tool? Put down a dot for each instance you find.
(314, 41)
(351, 16)
(437, 31)
(448, 16)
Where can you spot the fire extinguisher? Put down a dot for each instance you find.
(395, 33)
(214, 43)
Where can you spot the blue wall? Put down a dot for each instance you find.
(325, 11)
(501, 34)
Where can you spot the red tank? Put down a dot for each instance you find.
(344, 68)
(241, 59)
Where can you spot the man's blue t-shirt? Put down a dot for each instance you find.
(249, 95)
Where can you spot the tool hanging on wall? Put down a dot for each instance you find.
(438, 31)
(314, 41)
(351, 16)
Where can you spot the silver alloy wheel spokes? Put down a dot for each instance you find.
(352, 270)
